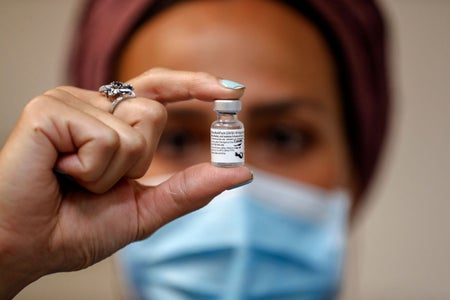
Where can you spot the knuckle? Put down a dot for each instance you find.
(201, 77)
(154, 71)
(139, 170)
(136, 144)
(138, 151)
(51, 99)
(91, 170)
(38, 105)
(97, 187)
(135, 149)
(157, 113)
(109, 140)
(157, 69)
(153, 111)
(133, 145)
(88, 173)
(58, 91)
(39, 101)
(66, 88)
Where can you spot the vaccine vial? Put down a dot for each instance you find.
(227, 135)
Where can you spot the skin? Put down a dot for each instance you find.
(291, 107)
(47, 227)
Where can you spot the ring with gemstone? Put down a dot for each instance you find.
(116, 92)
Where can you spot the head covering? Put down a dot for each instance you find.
(354, 30)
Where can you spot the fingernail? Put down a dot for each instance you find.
(241, 184)
(230, 84)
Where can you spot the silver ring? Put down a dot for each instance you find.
(116, 92)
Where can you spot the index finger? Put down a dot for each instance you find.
(165, 85)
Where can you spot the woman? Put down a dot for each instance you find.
(67, 194)
(315, 111)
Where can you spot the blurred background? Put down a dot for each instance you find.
(400, 245)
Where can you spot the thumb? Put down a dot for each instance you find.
(185, 192)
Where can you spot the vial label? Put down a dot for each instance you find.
(227, 146)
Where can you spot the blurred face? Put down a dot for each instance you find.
(291, 106)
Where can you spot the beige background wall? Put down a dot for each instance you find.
(401, 247)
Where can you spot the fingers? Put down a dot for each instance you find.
(98, 148)
(50, 129)
(184, 192)
(166, 85)
(138, 126)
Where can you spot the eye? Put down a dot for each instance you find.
(285, 139)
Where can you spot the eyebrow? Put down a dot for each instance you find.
(284, 106)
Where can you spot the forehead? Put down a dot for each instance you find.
(270, 48)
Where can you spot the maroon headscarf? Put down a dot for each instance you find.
(354, 30)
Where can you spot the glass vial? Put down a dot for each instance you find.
(227, 135)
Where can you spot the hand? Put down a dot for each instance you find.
(46, 228)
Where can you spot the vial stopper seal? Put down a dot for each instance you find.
(227, 106)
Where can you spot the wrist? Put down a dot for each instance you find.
(15, 272)
(10, 285)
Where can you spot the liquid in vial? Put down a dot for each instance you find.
(227, 135)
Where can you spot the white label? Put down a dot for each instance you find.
(227, 145)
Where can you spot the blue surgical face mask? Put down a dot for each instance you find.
(271, 239)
